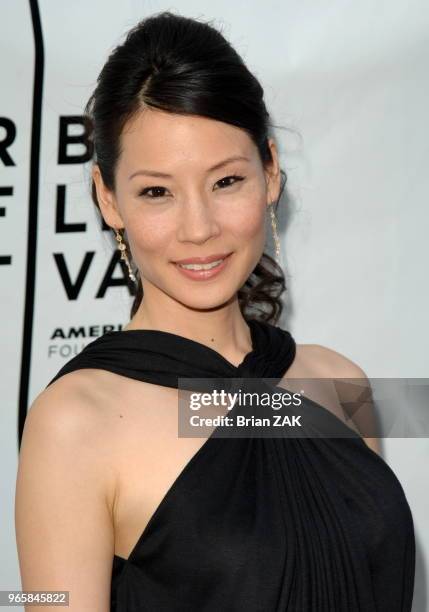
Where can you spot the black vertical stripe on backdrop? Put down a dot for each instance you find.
(33, 206)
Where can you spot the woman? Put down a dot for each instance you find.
(112, 505)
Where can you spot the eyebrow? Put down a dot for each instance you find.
(215, 167)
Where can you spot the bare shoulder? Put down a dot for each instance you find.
(324, 361)
(75, 413)
(318, 361)
(70, 403)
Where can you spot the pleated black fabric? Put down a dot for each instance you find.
(260, 524)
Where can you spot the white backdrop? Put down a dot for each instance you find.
(350, 82)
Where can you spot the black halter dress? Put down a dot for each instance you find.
(255, 524)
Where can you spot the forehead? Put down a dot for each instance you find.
(157, 137)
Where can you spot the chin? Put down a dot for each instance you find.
(206, 302)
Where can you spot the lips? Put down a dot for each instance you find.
(203, 260)
(206, 271)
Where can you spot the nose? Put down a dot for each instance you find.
(197, 222)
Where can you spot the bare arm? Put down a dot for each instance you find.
(63, 524)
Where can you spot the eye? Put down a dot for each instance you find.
(155, 188)
(159, 192)
(233, 176)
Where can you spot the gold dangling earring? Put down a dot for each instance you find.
(123, 247)
(275, 234)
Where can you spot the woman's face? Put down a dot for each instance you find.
(177, 198)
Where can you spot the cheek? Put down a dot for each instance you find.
(246, 222)
(149, 234)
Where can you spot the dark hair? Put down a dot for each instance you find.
(183, 66)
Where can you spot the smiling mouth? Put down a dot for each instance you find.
(203, 271)
(202, 263)
(207, 266)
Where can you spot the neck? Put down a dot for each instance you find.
(224, 328)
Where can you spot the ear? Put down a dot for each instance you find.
(272, 174)
(106, 200)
